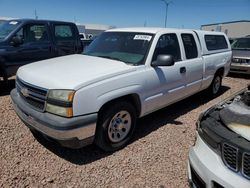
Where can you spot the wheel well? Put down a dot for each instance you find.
(134, 99)
(220, 71)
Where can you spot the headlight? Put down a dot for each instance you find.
(62, 111)
(60, 102)
(61, 95)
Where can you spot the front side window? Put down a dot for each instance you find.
(33, 33)
(189, 46)
(168, 45)
(215, 42)
(7, 27)
(129, 47)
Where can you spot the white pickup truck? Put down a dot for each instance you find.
(124, 74)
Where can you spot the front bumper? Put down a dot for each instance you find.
(240, 68)
(73, 132)
(210, 169)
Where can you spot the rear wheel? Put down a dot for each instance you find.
(116, 125)
(215, 86)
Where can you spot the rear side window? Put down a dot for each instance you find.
(189, 46)
(215, 42)
(63, 32)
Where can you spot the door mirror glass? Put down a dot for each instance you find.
(16, 41)
(163, 60)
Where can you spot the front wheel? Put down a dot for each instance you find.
(215, 86)
(116, 125)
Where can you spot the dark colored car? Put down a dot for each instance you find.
(24, 41)
(241, 56)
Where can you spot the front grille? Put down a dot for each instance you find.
(246, 165)
(230, 156)
(236, 159)
(33, 95)
(241, 60)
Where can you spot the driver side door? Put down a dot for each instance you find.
(167, 83)
(36, 45)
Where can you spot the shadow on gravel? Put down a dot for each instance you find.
(81, 156)
(144, 127)
(168, 115)
(237, 75)
(5, 88)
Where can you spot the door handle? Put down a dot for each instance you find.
(183, 70)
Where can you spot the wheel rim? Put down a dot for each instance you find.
(119, 126)
(216, 86)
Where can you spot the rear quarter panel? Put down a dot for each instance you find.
(214, 59)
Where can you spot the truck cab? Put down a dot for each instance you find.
(23, 41)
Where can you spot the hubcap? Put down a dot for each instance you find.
(217, 83)
(119, 126)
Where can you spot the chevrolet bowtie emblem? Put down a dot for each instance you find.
(25, 92)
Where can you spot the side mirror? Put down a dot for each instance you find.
(16, 41)
(163, 60)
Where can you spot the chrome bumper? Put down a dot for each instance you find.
(240, 68)
(58, 128)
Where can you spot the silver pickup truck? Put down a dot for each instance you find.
(123, 75)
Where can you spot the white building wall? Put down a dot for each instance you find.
(233, 29)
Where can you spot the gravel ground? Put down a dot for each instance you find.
(156, 157)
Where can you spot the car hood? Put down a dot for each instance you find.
(236, 117)
(71, 72)
(241, 53)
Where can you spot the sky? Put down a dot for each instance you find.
(130, 13)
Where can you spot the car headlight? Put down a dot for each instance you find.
(60, 102)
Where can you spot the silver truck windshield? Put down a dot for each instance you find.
(241, 44)
(128, 47)
(7, 27)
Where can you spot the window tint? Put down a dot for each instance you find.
(63, 32)
(215, 42)
(189, 46)
(6, 27)
(241, 44)
(168, 45)
(33, 33)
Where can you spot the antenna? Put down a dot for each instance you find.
(167, 3)
(36, 16)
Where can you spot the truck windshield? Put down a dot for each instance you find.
(128, 47)
(241, 44)
(7, 27)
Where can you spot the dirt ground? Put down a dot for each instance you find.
(156, 157)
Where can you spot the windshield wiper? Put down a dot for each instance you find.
(109, 57)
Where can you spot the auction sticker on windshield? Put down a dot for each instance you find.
(143, 37)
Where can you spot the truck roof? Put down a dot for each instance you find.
(35, 20)
(155, 30)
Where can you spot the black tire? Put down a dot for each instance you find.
(215, 87)
(104, 133)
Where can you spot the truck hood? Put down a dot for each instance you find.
(241, 53)
(71, 72)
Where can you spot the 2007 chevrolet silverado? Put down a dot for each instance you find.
(125, 74)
